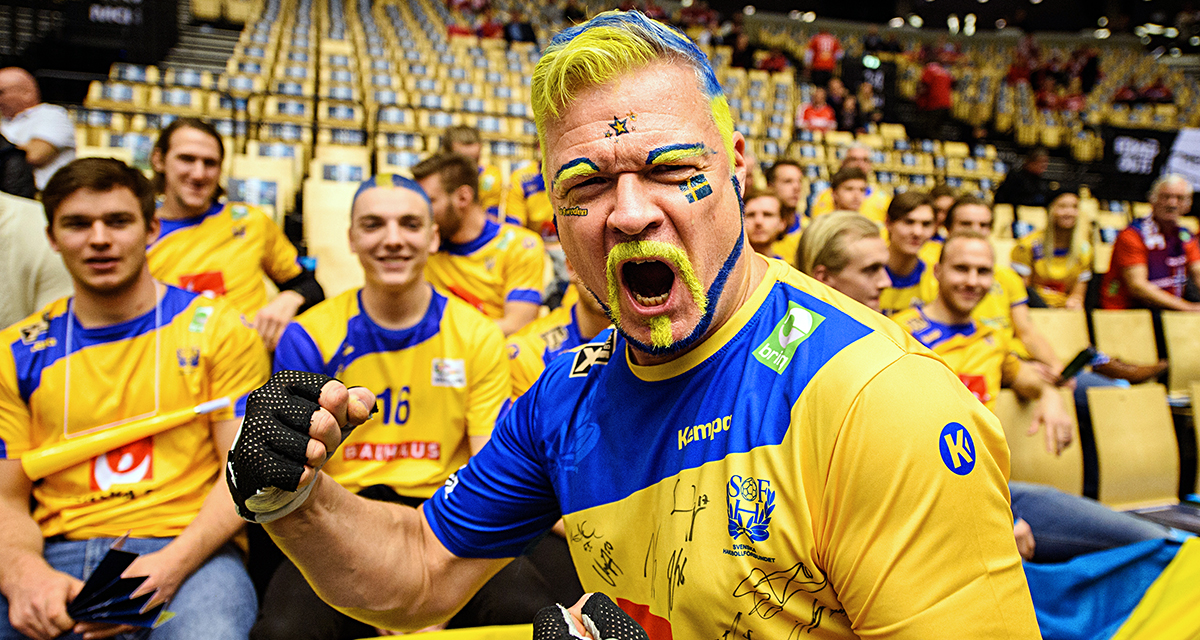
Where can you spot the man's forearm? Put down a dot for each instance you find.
(21, 545)
(356, 553)
(1153, 296)
(216, 523)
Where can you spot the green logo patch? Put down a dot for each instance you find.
(795, 327)
(199, 319)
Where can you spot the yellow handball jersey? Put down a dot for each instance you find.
(787, 247)
(874, 206)
(225, 251)
(528, 204)
(995, 309)
(981, 356)
(491, 189)
(60, 381)
(1053, 273)
(506, 263)
(539, 342)
(780, 480)
(912, 290)
(437, 383)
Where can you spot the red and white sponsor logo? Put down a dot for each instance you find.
(977, 385)
(129, 464)
(385, 452)
(207, 282)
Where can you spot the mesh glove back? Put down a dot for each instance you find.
(602, 618)
(269, 452)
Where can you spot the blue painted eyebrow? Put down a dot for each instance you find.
(675, 152)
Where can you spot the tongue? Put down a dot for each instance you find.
(649, 279)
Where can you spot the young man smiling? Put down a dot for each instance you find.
(438, 367)
(123, 347)
(224, 248)
(909, 225)
(730, 381)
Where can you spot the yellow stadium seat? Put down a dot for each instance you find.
(1030, 462)
(1002, 219)
(1035, 217)
(326, 223)
(120, 153)
(288, 109)
(1065, 329)
(1135, 445)
(180, 101)
(279, 171)
(1182, 332)
(116, 95)
(1127, 334)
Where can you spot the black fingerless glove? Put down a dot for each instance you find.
(269, 452)
(602, 618)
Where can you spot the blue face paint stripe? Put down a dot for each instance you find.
(686, 146)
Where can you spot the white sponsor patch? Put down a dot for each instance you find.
(449, 372)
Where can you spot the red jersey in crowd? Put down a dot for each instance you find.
(823, 52)
(814, 117)
(936, 83)
(1166, 256)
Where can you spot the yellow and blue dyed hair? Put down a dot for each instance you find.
(606, 46)
(390, 180)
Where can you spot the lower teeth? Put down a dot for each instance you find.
(651, 302)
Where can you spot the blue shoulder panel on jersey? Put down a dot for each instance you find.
(590, 432)
(297, 351)
(491, 229)
(524, 295)
(935, 333)
(366, 337)
(533, 185)
(910, 280)
(32, 357)
(167, 227)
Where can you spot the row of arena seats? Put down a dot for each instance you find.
(981, 97)
(235, 11)
(1139, 468)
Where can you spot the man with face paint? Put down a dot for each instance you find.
(742, 456)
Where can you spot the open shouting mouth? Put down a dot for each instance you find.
(648, 270)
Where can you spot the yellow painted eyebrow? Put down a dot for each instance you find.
(574, 169)
(676, 152)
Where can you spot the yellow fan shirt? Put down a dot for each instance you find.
(225, 251)
(60, 380)
(437, 383)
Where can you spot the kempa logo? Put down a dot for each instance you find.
(795, 327)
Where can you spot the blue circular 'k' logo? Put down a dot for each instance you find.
(957, 448)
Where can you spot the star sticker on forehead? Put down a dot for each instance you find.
(619, 125)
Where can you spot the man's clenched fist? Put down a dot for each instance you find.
(292, 425)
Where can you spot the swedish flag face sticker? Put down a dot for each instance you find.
(696, 188)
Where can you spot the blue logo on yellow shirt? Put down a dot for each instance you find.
(957, 448)
(749, 503)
